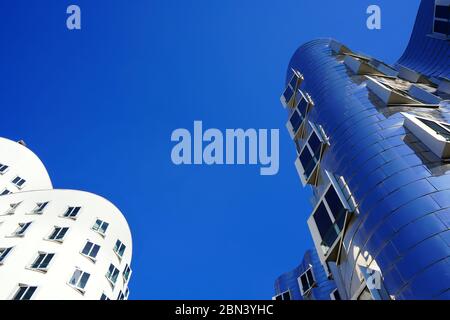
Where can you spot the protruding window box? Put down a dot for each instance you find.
(329, 219)
(384, 68)
(390, 96)
(410, 75)
(423, 95)
(296, 122)
(359, 66)
(306, 282)
(308, 160)
(288, 98)
(444, 85)
(339, 48)
(434, 134)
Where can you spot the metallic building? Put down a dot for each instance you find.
(373, 142)
(308, 281)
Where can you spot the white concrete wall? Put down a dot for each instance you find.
(54, 283)
(24, 163)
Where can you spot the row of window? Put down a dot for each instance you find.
(17, 181)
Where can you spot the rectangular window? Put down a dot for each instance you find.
(112, 274)
(90, 250)
(5, 192)
(79, 279)
(104, 297)
(119, 248)
(432, 133)
(58, 234)
(18, 182)
(329, 216)
(3, 168)
(4, 252)
(121, 296)
(286, 296)
(100, 226)
(127, 273)
(24, 292)
(20, 231)
(40, 206)
(72, 212)
(309, 158)
(306, 281)
(289, 94)
(42, 261)
(442, 17)
(12, 208)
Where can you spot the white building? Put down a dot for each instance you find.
(57, 244)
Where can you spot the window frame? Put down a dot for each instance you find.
(53, 231)
(38, 268)
(117, 251)
(3, 168)
(310, 285)
(112, 281)
(69, 216)
(76, 286)
(282, 296)
(440, 3)
(103, 234)
(41, 210)
(28, 287)
(292, 100)
(93, 259)
(22, 233)
(3, 255)
(19, 186)
(12, 208)
(127, 278)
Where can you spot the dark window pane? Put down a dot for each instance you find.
(315, 144)
(442, 12)
(310, 277)
(322, 220)
(29, 293)
(87, 248)
(20, 293)
(279, 297)
(95, 251)
(293, 82)
(304, 281)
(302, 106)
(335, 205)
(441, 27)
(296, 120)
(286, 296)
(288, 93)
(307, 161)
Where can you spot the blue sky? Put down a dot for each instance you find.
(99, 105)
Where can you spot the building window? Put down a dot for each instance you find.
(5, 192)
(3, 168)
(309, 158)
(42, 261)
(12, 208)
(112, 274)
(441, 23)
(283, 296)
(24, 292)
(20, 231)
(334, 295)
(119, 248)
(434, 134)
(58, 234)
(296, 121)
(18, 182)
(329, 217)
(306, 281)
(289, 95)
(79, 280)
(104, 297)
(4, 252)
(121, 296)
(72, 212)
(90, 250)
(100, 226)
(39, 209)
(127, 273)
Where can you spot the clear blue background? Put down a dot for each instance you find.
(99, 105)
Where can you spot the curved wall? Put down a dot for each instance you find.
(54, 282)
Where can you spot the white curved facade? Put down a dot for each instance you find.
(60, 244)
(17, 161)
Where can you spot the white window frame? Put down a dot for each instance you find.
(76, 286)
(68, 215)
(282, 295)
(39, 208)
(333, 294)
(22, 225)
(12, 208)
(3, 168)
(21, 180)
(117, 251)
(98, 230)
(38, 268)
(109, 275)
(5, 192)
(126, 279)
(311, 285)
(3, 255)
(93, 259)
(22, 285)
(53, 231)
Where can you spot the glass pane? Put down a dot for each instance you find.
(302, 107)
(87, 248)
(84, 279)
(322, 220)
(95, 251)
(315, 144)
(20, 292)
(335, 204)
(104, 227)
(307, 161)
(441, 26)
(29, 293)
(442, 12)
(288, 93)
(296, 120)
(75, 277)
